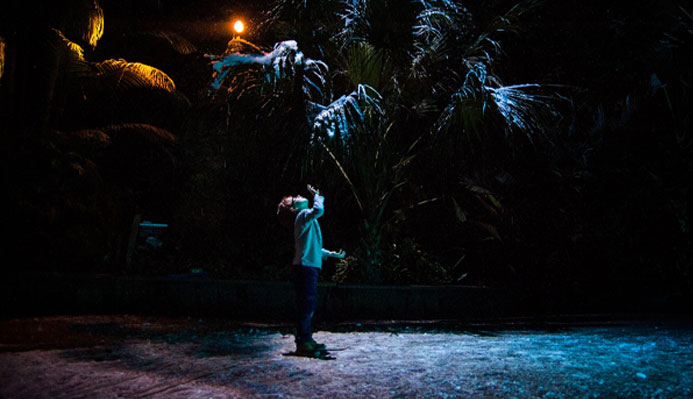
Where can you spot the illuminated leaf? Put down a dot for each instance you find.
(71, 55)
(344, 115)
(83, 21)
(134, 74)
(2, 56)
(268, 72)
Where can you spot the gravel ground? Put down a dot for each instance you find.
(141, 357)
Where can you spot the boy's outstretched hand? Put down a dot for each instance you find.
(340, 254)
(313, 191)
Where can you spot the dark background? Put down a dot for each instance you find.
(604, 209)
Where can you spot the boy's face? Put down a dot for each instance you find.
(299, 202)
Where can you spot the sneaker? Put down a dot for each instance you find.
(320, 347)
(311, 347)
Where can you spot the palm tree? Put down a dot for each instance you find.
(415, 77)
(77, 124)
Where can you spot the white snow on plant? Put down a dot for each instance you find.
(284, 57)
(286, 62)
(344, 113)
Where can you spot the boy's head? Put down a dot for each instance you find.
(299, 203)
(289, 207)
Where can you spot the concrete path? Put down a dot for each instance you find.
(144, 357)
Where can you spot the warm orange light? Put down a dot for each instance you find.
(238, 26)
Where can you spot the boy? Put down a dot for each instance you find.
(307, 261)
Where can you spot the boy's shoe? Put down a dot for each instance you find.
(321, 347)
(309, 348)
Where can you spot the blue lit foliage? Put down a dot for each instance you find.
(421, 60)
(526, 106)
(342, 115)
(267, 75)
(265, 72)
(374, 56)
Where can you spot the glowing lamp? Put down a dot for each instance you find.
(238, 26)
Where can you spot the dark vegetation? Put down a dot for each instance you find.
(445, 173)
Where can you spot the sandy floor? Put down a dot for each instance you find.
(138, 357)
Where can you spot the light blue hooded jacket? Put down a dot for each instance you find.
(308, 237)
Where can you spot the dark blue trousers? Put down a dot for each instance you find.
(306, 286)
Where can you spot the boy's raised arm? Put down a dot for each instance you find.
(318, 208)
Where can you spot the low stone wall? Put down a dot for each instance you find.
(34, 295)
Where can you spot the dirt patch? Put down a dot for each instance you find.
(138, 357)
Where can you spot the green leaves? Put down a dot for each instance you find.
(367, 65)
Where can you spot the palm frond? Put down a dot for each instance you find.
(375, 22)
(134, 74)
(348, 112)
(524, 106)
(83, 20)
(355, 22)
(239, 46)
(464, 114)
(468, 104)
(441, 26)
(279, 10)
(367, 65)
(315, 81)
(486, 47)
(2, 56)
(141, 131)
(435, 20)
(269, 72)
(282, 61)
(71, 55)
(96, 25)
(527, 107)
(351, 184)
(177, 42)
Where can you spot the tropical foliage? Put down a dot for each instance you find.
(457, 142)
(424, 65)
(91, 139)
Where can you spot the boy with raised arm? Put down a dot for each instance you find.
(307, 262)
